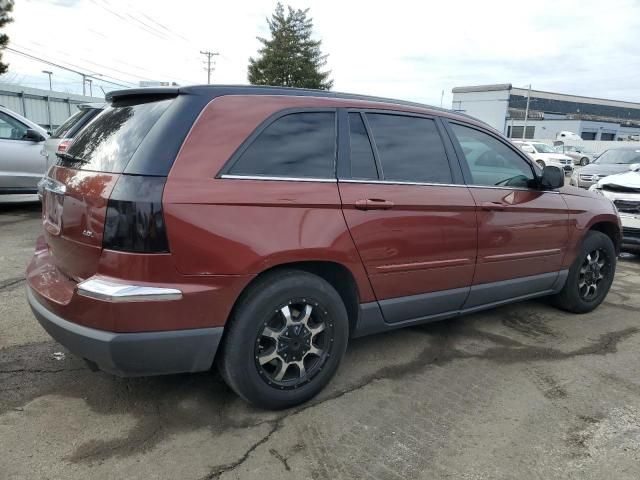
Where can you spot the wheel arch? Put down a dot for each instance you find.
(611, 230)
(336, 274)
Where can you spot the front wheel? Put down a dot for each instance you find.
(285, 340)
(590, 276)
(584, 161)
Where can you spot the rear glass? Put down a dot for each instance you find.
(108, 142)
(68, 123)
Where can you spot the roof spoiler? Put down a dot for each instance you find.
(130, 93)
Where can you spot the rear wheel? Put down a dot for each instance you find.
(591, 275)
(285, 340)
(584, 161)
(541, 163)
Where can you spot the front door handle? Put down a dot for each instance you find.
(493, 206)
(373, 204)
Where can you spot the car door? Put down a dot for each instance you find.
(523, 231)
(21, 163)
(410, 216)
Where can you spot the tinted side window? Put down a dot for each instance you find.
(492, 162)
(363, 164)
(295, 145)
(410, 148)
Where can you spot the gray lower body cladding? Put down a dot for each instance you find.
(399, 312)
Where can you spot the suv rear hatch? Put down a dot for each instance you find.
(90, 201)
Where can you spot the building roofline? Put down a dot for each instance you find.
(545, 92)
(482, 88)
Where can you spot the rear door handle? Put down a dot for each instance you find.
(493, 206)
(373, 204)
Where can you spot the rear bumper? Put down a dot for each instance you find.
(133, 354)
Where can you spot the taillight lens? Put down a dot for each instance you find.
(64, 145)
(134, 220)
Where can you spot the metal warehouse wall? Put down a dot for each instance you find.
(37, 105)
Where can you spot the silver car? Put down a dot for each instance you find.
(21, 162)
(612, 161)
(581, 156)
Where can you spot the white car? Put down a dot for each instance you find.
(21, 162)
(623, 189)
(544, 155)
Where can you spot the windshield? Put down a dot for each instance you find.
(619, 157)
(543, 148)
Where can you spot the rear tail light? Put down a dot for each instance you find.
(64, 145)
(134, 220)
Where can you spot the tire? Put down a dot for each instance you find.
(578, 295)
(541, 163)
(584, 161)
(277, 304)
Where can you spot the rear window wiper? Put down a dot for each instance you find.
(68, 157)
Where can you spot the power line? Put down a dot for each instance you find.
(93, 63)
(136, 67)
(209, 55)
(84, 75)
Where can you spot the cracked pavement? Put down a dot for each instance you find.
(524, 390)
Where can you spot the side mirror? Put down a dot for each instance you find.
(33, 135)
(552, 178)
(634, 167)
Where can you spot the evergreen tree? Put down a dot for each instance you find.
(290, 58)
(5, 8)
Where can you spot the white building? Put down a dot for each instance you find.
(503, 107)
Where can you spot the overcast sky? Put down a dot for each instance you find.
(402, 49)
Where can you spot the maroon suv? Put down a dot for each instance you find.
(261, 228)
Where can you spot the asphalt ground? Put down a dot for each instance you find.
(523, 391)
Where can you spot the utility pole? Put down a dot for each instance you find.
(209, 55)
(84, 83)
(526, 113)
(90, 87)
(48, 73)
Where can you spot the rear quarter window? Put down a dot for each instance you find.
(296, 145)
(109, 141)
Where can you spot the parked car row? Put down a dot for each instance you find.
(544, 155)
(259, 229)
(27, 150)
